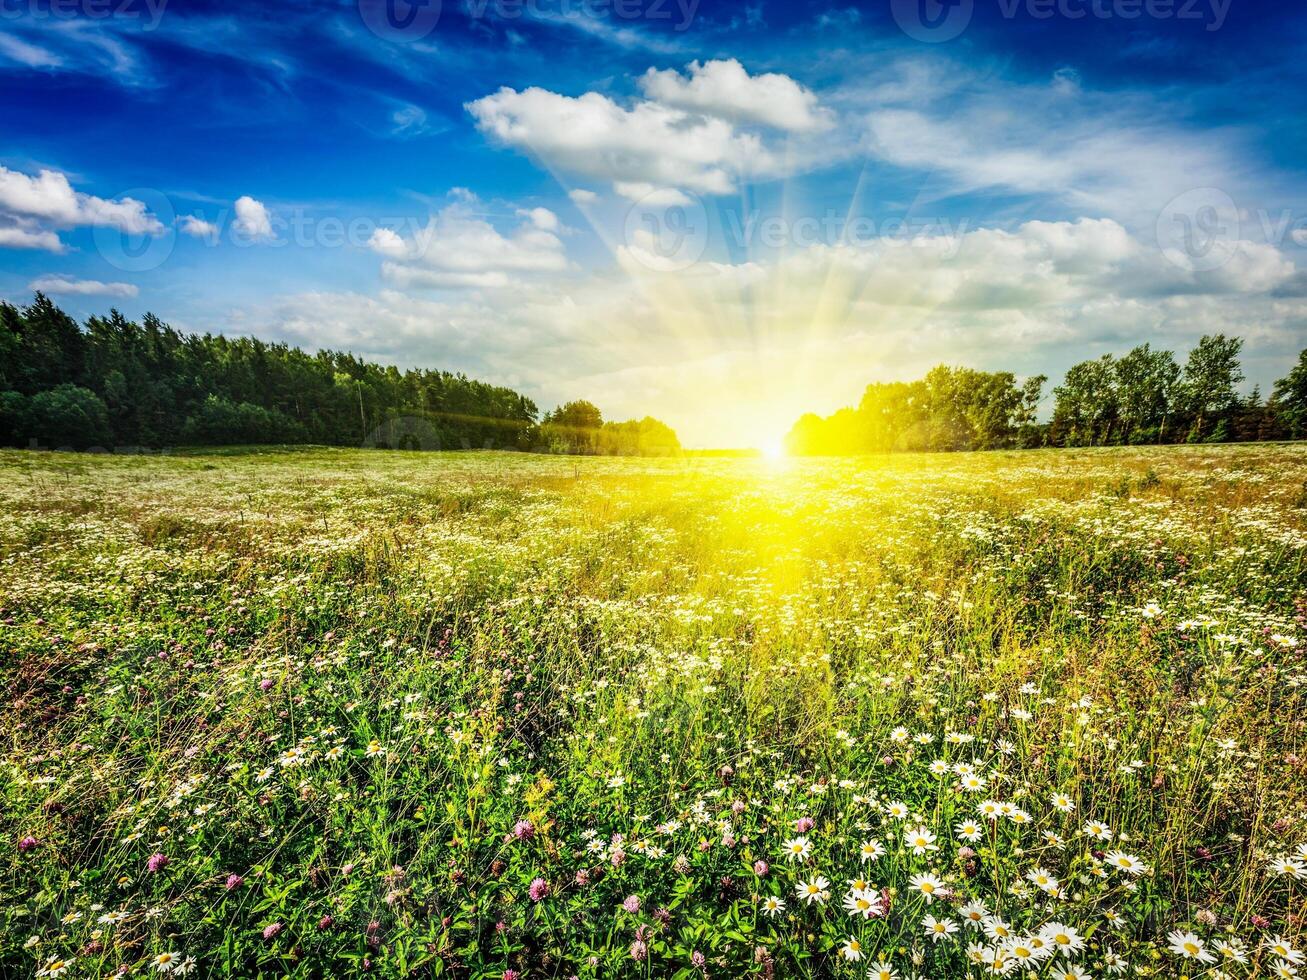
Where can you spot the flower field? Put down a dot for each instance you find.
(335, 713)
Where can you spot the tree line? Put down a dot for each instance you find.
(116, 383)
(1143, 397)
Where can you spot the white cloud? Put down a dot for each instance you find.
(726, 90)
(649, 143)
(253, 220)
(580, 196)
(63, 285)
(459, 248)
(197, 227)
(49, 196)
(649, 195)
(17, 236)
(542, 218)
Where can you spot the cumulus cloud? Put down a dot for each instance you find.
(49, 197)
(63, 285)
(726, 90)
(459, 248)
(581, 196)
(197, 227)
(253, 219)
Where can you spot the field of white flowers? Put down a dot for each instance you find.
(333, 713)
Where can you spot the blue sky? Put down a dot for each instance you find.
(722, 214)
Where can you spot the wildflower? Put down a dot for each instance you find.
(998, 930)
(929, 886)
(1043, 880)
(1065, 938)
(880, 970)
(156, 862)
(1189, 946)
(374, 750)
(1063, 803)
(233, 882)
(938, 929)
(851, 950)
(55, 967)
(1281, 948)
(815, 890)
(1068, 971)
(1098, 831)
(804, 824)
(897, 810)
(1283, 970)
(1125, 862)
(632, 904)
(864, 902)
(773, 906)
(797, 848)
(760, 868)
(1231, 949)
(29, 843)
(538, 890)
(185, 967)
(524, 830)
(920, 840)
(166, 962)
(1287, 866)
(974, 914)
(871, 850)
(272, 931)
(968, 830)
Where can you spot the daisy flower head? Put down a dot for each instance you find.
(851, 950)
(929, 886)
(1281, 948)
(1065, 938)
(1062, 803)
(1290, 867)
(1188, 946)
(938, 930)
(871, 850)
(797, 848)
(974, 914)
(863, 902)
(919, 840)
(880, 970)
(772, 906)
(817, 890)
(1122, 861)
(897, 810)
(968, 830)
(166, 962)
(1098, 831)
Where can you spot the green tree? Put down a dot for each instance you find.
(1211, 377)
(1290, 398)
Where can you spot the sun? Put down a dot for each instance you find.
(773, 450)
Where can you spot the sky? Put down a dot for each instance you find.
(720, 214)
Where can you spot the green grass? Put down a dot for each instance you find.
(390, 691)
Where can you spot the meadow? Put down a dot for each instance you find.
(329, 713)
